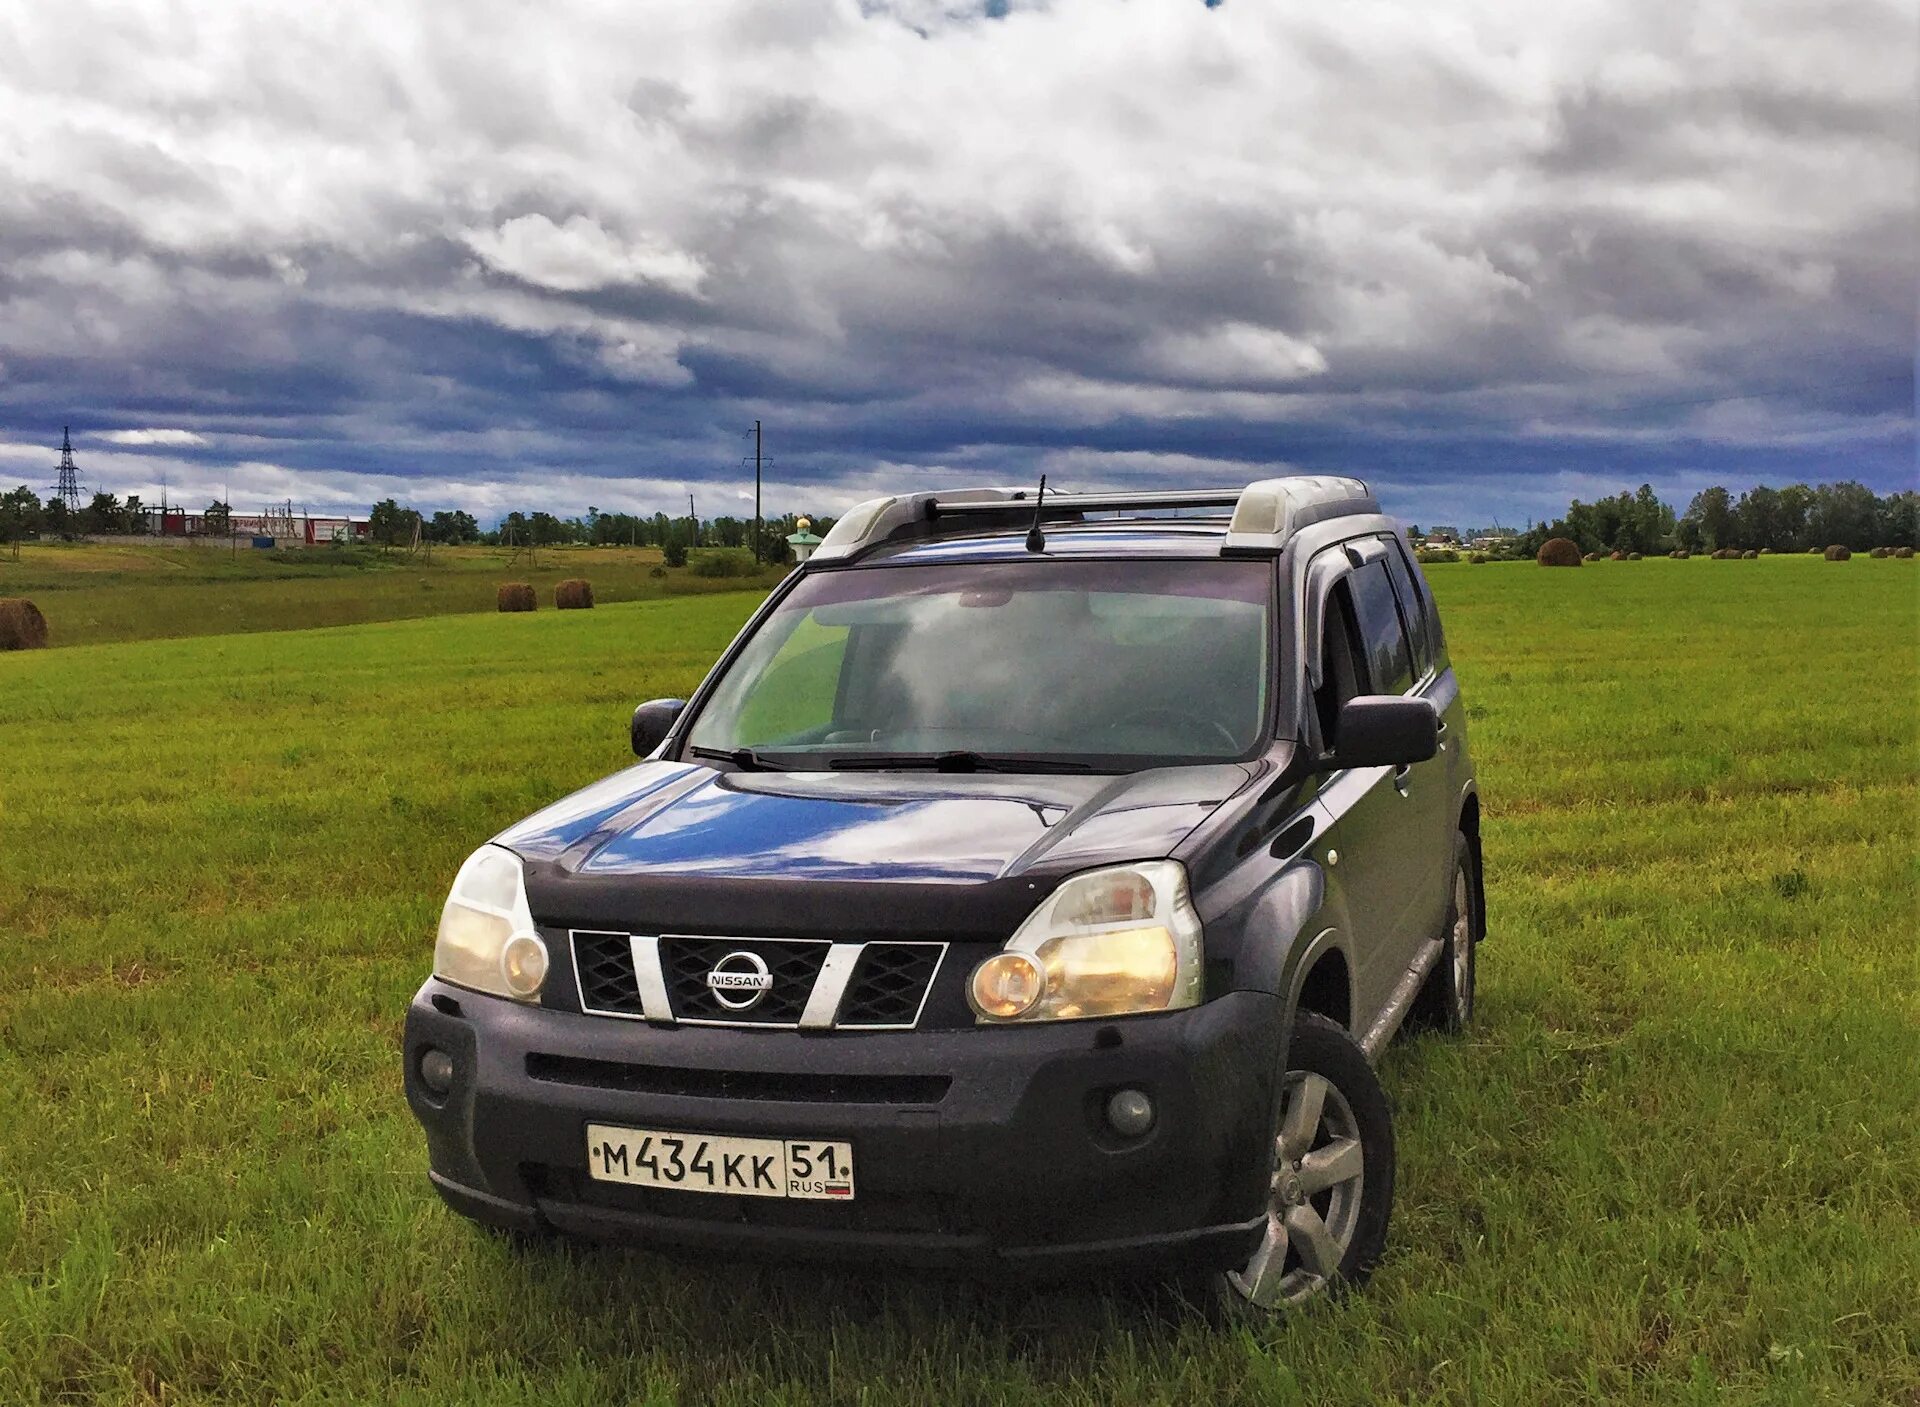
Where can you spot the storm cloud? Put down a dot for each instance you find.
(504, 255)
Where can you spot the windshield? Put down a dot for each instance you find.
(1112, 664)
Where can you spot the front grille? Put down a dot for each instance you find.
(792, 964)
(889, 984)
(605, 964)
(885, 989)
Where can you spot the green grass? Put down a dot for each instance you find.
(1677, 1161)
(95, 593)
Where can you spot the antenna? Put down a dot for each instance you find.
(1037, 540)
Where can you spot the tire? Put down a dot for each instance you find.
(1332, 1177)
(1445, 1001)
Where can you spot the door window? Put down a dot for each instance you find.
(1340, 660)
(1413, 613)
(1389, 663)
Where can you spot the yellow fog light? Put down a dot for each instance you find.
(1006, 985)
(523, 963)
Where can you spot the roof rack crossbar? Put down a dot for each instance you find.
(1099, 502)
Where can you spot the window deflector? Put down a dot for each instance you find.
(1324, 572)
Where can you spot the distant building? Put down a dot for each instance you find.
(314, 532)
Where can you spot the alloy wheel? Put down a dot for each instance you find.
(1314, 1206)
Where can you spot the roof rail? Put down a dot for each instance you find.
(1266, 513)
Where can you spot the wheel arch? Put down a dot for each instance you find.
(1470, 828)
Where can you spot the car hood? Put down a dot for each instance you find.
(693, 821)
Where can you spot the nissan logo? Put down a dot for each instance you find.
(739, 980)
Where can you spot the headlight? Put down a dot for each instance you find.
(486, 937)
(1107, 943)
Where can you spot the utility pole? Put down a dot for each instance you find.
(756, 492)
(693, 522)
(68, 489)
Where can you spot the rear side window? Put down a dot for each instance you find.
(1388, 658)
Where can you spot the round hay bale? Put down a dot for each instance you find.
(1680, 554)
(1559, 552)
(574, 594)
(1903, 552)
(1837, 553)
(22, 627)
(1616, 556)
(518, 596)
(1814, 550)
(1634, 556)
(1748, 555)
(1880, 552)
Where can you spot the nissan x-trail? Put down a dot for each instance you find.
(1031, 884)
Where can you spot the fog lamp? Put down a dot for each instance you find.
(1130, 1112)
(1006, 985)
(436, 1070)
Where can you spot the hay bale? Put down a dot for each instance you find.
(1814, 550)
(1879, 553)
(1903, 552)
(574, 594)
(1559, 552)
(1748, 555)
(22, 627)
(518, 596)
(1616, 556)
(1837, 553)
(1634, 556)
(1680, 554)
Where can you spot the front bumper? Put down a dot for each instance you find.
(983, 1147)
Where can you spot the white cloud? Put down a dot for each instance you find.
(578, 255)
(150, 437)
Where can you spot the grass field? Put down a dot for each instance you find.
(1677, 1161)
(92, 593)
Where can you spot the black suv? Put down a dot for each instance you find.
(1032, 883)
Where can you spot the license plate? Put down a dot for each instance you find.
(810, 1169)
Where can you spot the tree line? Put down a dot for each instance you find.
(1791, 519)
(23, 515)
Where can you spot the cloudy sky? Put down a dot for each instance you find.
(546, 255)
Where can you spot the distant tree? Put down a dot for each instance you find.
(20, 515)
(390, 525)
(1900, 519)
(103, 515)
(452, 528)
(674, 550)
(135, 515)
(1845, 513)
(56, 520)
(1712, 514)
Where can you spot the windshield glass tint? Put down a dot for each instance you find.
(1126, 661)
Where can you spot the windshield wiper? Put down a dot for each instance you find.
(745, 758)
(955, 761)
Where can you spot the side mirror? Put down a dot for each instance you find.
(652, 721)
(1385, 730)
